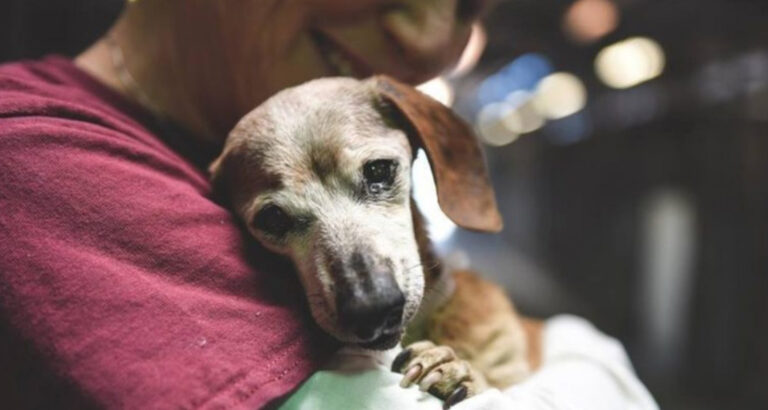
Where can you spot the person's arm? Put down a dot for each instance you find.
(125, 285)
(582, 369)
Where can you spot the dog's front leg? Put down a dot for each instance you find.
(480, 324)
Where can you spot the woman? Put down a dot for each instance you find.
(205, 64)
(122, 283)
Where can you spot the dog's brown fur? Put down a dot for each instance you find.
(477, 320)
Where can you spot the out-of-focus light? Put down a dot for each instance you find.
(521, 74)
(439, 89)
(630, 62)
(439, 226)
(472, 52)
(559, 95)
(504, 122)
(668, 252)
(491, 128)
(588, 20)
(522, 116)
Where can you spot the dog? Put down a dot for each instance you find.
(320, 173)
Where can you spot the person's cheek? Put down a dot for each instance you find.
(267, 47)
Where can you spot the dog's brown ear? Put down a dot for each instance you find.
(464, 190)
(223, 176)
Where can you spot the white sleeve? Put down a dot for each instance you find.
(582, 369)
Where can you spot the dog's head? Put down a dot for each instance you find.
(321, 173)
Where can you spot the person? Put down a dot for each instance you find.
(124, 284)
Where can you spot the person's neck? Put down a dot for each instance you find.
(153, 77)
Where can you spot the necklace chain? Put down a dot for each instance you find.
(126, 79)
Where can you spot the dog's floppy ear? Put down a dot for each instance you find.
(222, 175)
(215, 171)
(464, 190)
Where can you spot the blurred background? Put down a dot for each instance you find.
(628, 143)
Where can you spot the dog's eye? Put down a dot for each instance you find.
(379, 174)
(272, 220)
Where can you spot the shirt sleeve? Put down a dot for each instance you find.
(128, 285)
(582, 369)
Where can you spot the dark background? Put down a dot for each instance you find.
(679, 164)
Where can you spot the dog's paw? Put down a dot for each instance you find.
(438, 371)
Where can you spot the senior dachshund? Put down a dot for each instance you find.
(321, 173)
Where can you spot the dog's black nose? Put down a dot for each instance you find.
(371, 314)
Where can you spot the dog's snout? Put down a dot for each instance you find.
(369, 301)
(372, 314)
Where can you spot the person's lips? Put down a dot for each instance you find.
(339, 60)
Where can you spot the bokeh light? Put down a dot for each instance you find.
(491, 128)
(521, 117)
(559, 95)
(523, 73)
(630, 62)
(588, 20)
(528, 107)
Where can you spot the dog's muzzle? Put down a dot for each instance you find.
(368, 300)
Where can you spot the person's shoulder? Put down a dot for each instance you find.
(46, 76)
(32, 122)
(54, 90)
(51, 104)
(24, 84)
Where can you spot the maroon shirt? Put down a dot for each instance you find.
(122, 283)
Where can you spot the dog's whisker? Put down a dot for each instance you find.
(420, 265)
(414, 267)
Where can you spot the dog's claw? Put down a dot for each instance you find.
(411, 375)
(399, 363)
(458, 395)
(429, 380)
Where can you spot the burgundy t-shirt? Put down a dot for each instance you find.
(123, 284)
